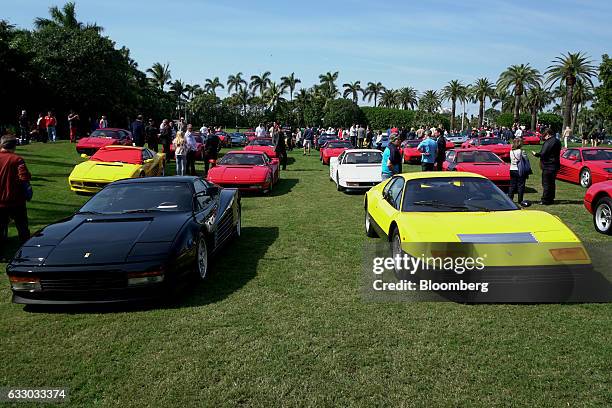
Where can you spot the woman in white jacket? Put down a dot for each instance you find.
(517, 182)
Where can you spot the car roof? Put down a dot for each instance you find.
(245, 152)
(589, 148)
(115, 129)
(469, 150)
(362, 150)
(176, 179)
(440, 174)
(121, 147)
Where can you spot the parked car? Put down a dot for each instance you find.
(585, 165)
(112, 163)
(103, 137)
(333, 148)
(134, 240)
(493, 144)
(246, 171)
(356, 169)
(238, 139)
(598, 201)
(482, 162)
(262, 144)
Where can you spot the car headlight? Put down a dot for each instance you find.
(25, 283)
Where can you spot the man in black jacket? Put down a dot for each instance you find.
(550, 163)
(441, 152)
(138, 131)
(281, 149)
(211, 151)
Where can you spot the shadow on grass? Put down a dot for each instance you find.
(231, 269)
(284, 186)
(49, 163)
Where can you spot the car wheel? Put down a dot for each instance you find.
(202, 257)
(368, 225)
(585, 177)
(396, 250)
(338, 186)
(602, 216)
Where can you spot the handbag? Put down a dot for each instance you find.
(524, 166)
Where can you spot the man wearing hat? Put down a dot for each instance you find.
(14, 178)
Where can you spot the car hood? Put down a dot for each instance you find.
(543, 226)
(335, 152)
(237, 173)
(102, 240)
(96, 142)
(486, 169)
(95, 170)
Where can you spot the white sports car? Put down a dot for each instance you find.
(356, 169)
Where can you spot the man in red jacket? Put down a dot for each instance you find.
(14, 176)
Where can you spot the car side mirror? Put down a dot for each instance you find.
(84, 156)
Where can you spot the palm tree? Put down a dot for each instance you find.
(536, 99)
(260, 83)
(430, 101)
(373, 90)
(481, 90)
(503, 97)
(570, 68)
(583, 92)
(274, 95)
(191, 90)
(519, 77)
(290, 82)
(235, 82)
(389, 99)
(160, 75)
(407, 96)
(328, 84)
(211, 85)
(452, 92)
(65, 18)
(353, 89)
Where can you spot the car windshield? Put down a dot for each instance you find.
(338, 145)
(105, 133)
(129, 156)
(364, 157)
(262, 142)
(597, 154)
(491, 141)
(448, 194)
(478, 157)
(140, 197)
(242, 159)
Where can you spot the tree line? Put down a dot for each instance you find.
(65, 64)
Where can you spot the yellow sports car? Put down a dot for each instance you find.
(439, 215)
(111, 163)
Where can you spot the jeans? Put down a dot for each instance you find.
(548, 185)
(51, 133)
(386, 176)
(517, 185)
(427, 166)
(181, 164)
(18, 214)
(191, 163)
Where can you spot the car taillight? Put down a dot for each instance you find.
(25, 283)
(145, 278)
(569, 254)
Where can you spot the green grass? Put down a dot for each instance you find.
(283, 322)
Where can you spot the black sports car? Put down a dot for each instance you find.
(134, 240)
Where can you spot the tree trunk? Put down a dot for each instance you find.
(517, 107)
(574, 116)
(463, 117)
(452, 121)
(481, 112)
(534, 118)
(567, 110)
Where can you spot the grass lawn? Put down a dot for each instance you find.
(282, 321)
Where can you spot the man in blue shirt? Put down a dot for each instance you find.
(428, 148)
(391, 159)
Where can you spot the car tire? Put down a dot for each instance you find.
(396, 249)
(369, 230)
(338, 186)
(585, 177)
(202, 257)
(602, 216)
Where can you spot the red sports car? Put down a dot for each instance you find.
(103, 137)
(246, 171)
(481, 162)
(492, 144)
(585, 165)
(410, 152)
(598, 200)
(250, 135)
(199, 147)
(333, 148)
(530, 138)
(262, 144)
(224, 137)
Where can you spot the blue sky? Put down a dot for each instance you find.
(422, 44)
